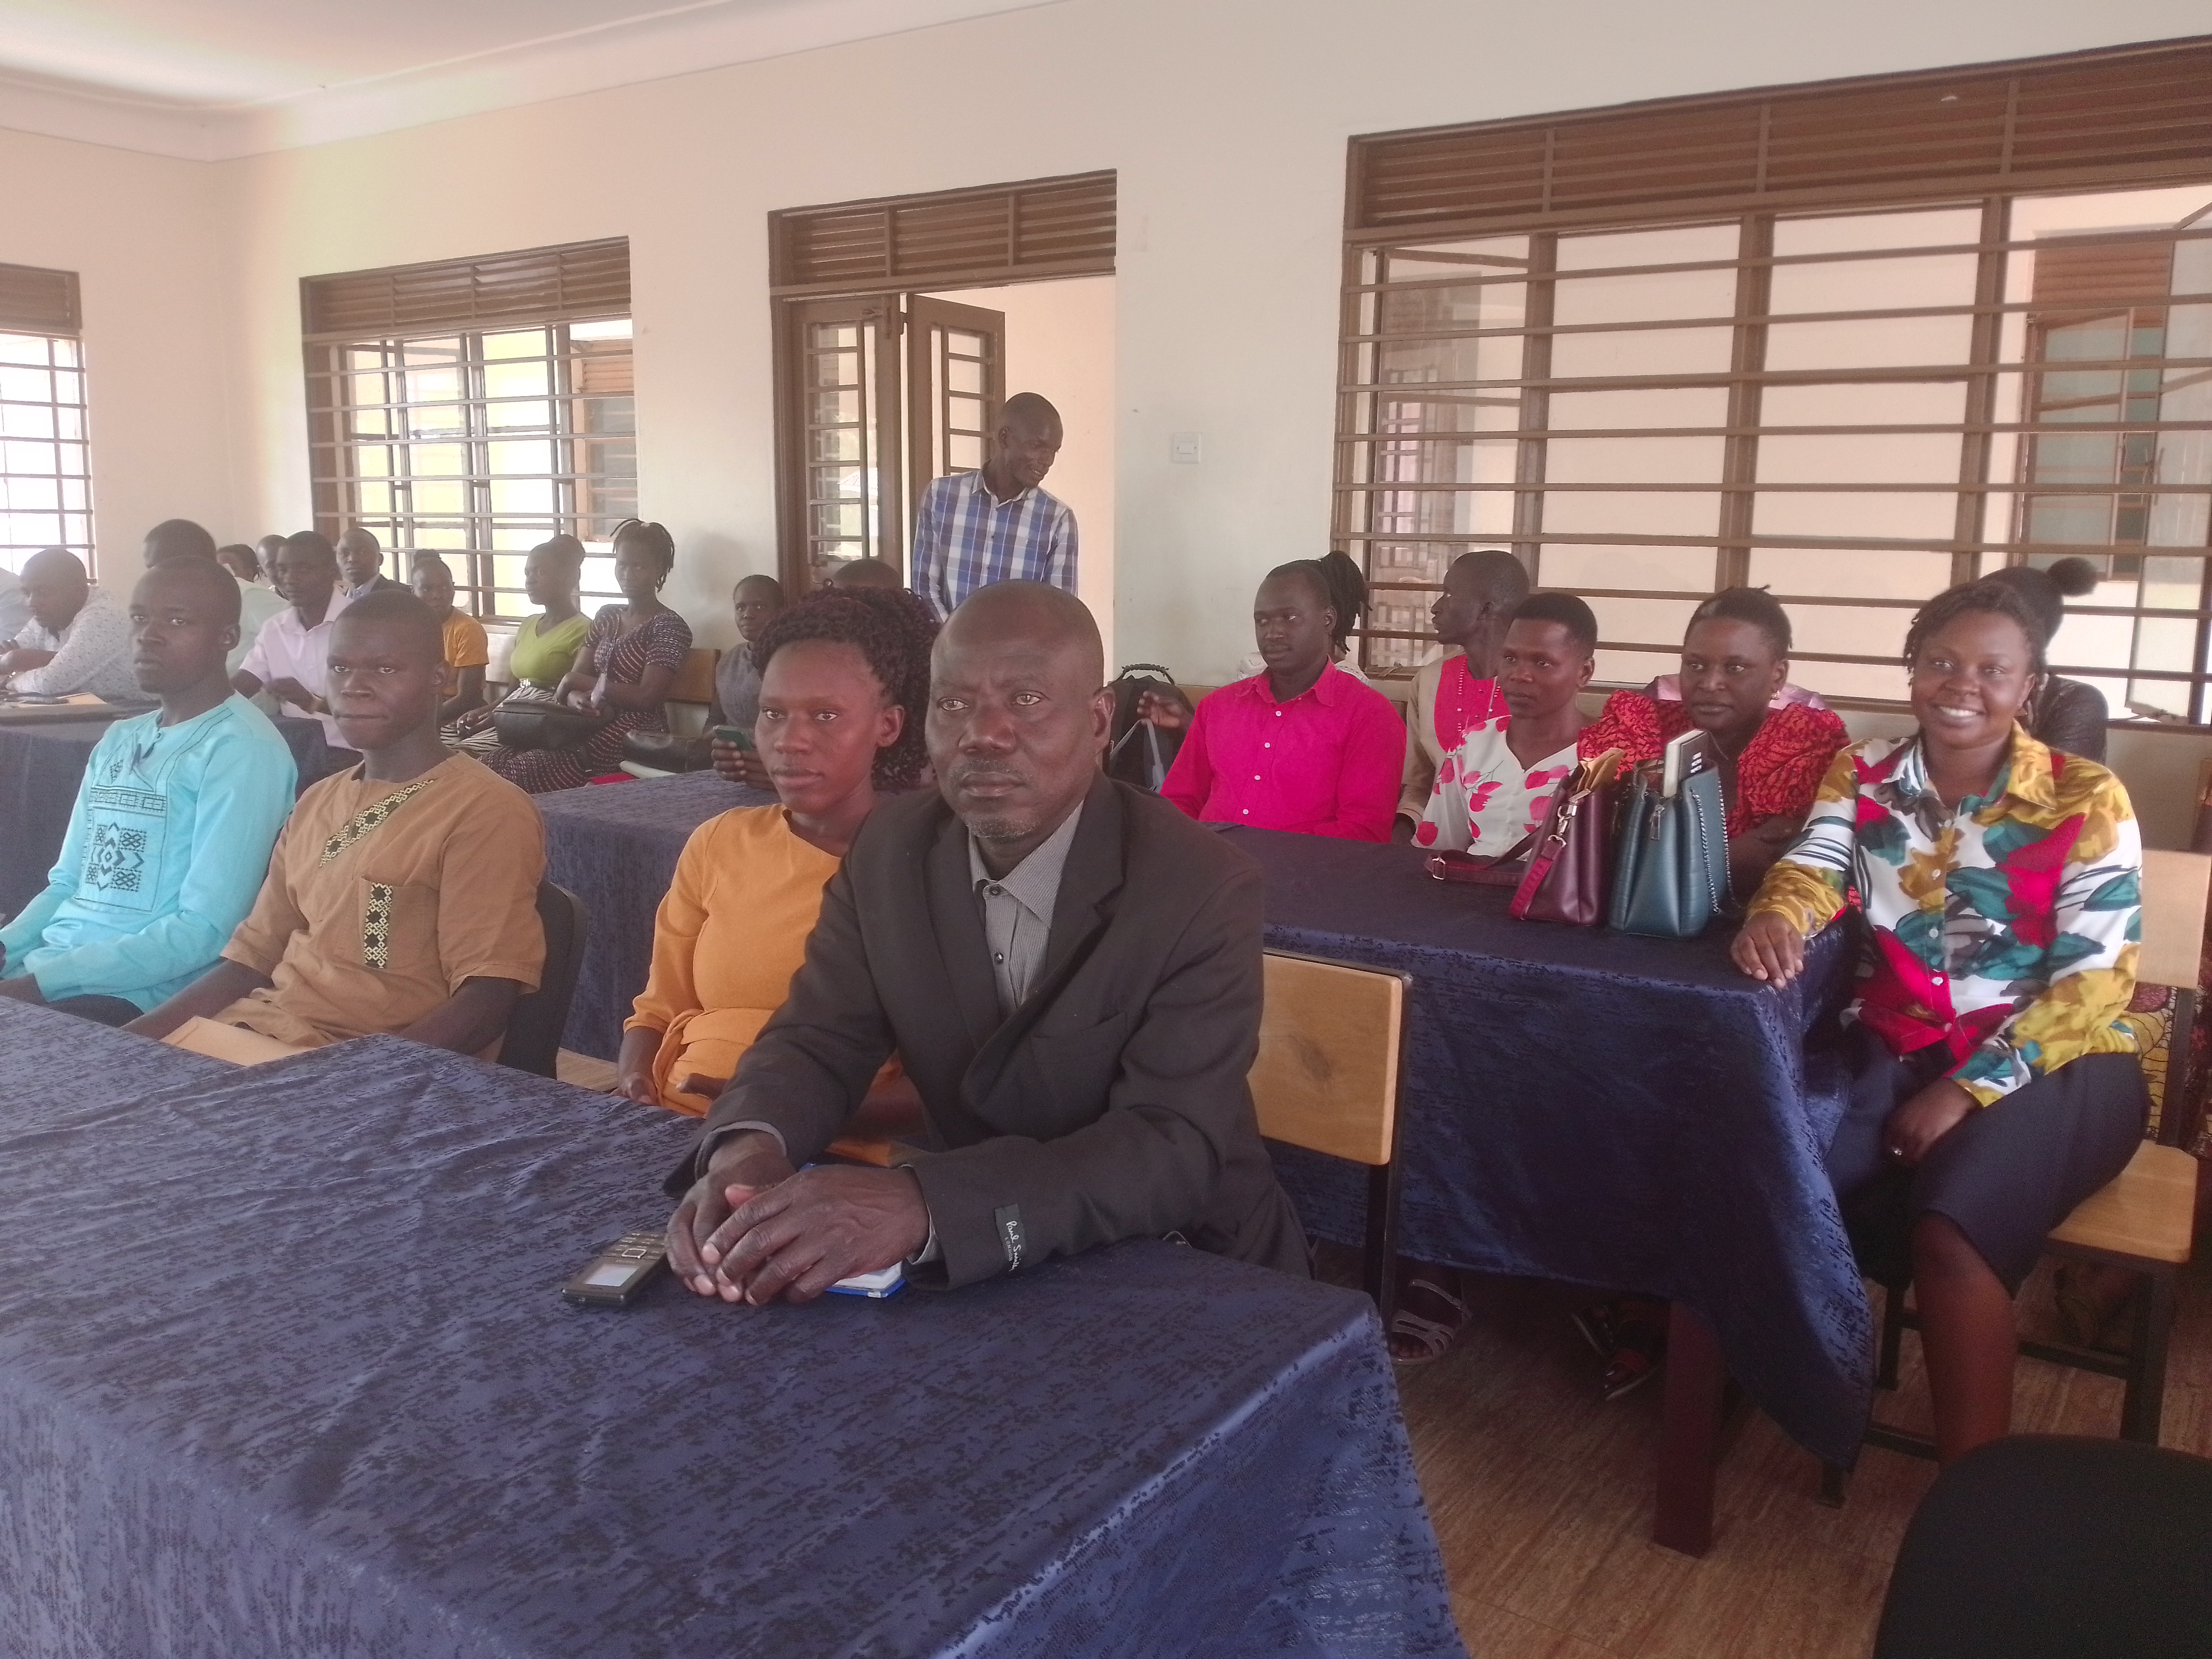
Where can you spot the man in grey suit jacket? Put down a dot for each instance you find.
(1069, 970)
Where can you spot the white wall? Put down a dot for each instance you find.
(144, 235)
(1060, 345)
(1226, 120)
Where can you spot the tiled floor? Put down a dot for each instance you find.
(1541, 1492)
(1541, 1495)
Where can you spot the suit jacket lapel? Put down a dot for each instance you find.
(958, 925)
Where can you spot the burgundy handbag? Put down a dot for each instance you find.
(1573, 860)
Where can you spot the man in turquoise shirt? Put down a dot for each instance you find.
(170, 838)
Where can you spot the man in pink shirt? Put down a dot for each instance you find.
(1302, 746)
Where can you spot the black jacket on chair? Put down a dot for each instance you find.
(1111, 1105)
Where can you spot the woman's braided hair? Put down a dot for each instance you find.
(655, 536)
(1987, 597)
(893, 630)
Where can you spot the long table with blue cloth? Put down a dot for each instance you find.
(42, 760)
(285, 1368)
(1579, 1105)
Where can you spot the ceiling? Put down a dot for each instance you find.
(214, 78)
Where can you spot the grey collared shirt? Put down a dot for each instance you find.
(1018, 911)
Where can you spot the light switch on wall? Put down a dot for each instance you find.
(1185, 448)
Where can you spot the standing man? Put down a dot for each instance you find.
(180, 539)
(173, 822)
(997, 525)
(291, 658)
(77, 639)
(1070, 970)
(361, 564)
(1459, 691)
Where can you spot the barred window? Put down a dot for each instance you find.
(46, 465)
(1854, 401)
(477, 442)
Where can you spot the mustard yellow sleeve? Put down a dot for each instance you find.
(1807, 884)
(671, 985)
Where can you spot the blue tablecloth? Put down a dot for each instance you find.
(41, 765)
(1579, 1104)
(615, 846)
(52, 1062)
(284, 1371)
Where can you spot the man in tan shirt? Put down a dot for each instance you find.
(402, 896)
(1458, 691)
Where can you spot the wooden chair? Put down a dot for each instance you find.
(532, 1043)
(1332, 1050)
(2145, 1220)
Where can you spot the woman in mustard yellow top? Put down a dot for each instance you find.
(844, 685)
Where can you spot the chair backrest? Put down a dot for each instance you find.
(1330, 1038)
(533, 1029)
(691, 692)
(2174, 889)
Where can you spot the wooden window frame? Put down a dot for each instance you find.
(44, 305)
(1979, 137)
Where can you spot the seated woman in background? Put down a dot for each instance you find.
(1774, 752)
(627, 661)
(1496, 786)
(545, 645)
(1993, 1085)
(468, 653)
(844, 691)
(754, 603)
(2065, 714)
(1347, 602)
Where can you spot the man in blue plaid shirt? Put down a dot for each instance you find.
(976, 528)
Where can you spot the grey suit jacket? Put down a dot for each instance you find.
(1111, 1105)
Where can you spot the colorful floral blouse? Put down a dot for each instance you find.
(2005, 930)
(1485, 800)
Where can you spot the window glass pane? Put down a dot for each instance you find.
(1641, 352)
(1655, 570)
(45, 486)
(1860, 572)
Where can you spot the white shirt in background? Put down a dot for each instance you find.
(284, 650)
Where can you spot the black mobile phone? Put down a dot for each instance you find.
(618, 1274)
(736, 734)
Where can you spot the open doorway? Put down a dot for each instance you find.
(900, 378)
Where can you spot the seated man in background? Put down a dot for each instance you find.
(863, 573)
(1459, 691)
(78, 640)
(290, 656)
(180, 539)
(170, 837)
(361, 564)
(1495, 788)
(241, 560)
(402, 896)
(758, 601)
(266, 549)
(468, 653)
(1303, 747)
(1070, 970)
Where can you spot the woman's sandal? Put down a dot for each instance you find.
(1428, 1338)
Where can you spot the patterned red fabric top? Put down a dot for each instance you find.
(1777, 775)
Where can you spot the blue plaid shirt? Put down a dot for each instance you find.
(965, 538)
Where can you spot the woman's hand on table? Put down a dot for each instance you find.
(1911, 1131)
(638, 1087)
(1770, 949)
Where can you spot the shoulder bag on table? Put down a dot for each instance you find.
(1568, 870)
(1670, 870)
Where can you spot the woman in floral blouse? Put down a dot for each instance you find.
(1995, 1084)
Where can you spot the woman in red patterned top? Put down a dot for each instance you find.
(1776, 744)
(1775, 749)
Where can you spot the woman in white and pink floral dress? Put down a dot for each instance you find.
(1495, 788)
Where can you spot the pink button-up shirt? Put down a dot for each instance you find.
(1327, 762)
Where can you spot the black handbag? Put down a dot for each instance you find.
(545, 726)
(666, 752)
(1143, 762)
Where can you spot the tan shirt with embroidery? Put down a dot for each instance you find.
(383, 898)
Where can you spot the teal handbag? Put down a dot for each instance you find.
(1670, 867)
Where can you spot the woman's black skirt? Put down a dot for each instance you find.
(2005, 1176)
